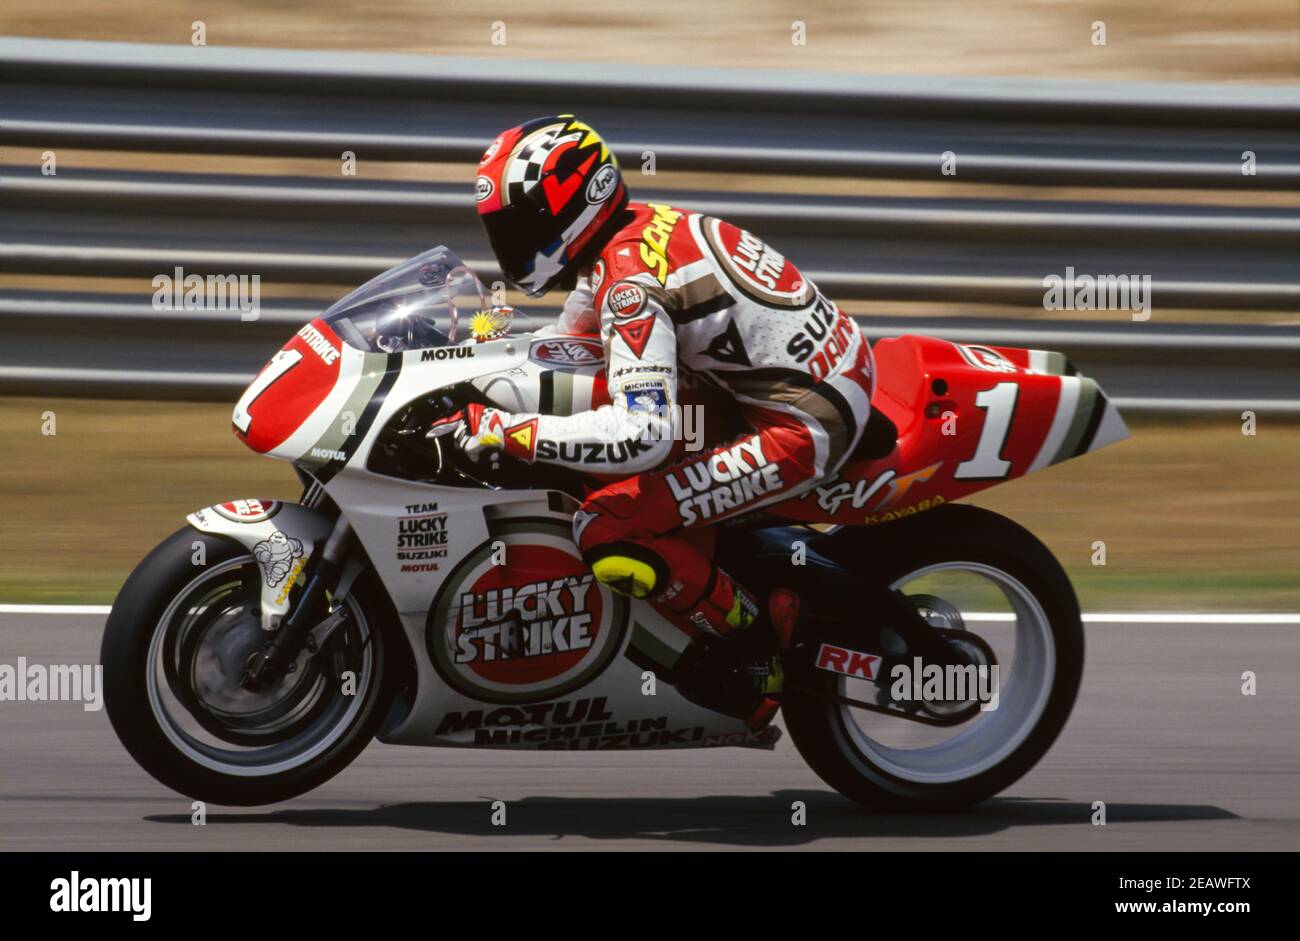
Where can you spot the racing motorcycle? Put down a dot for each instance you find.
(418, 597)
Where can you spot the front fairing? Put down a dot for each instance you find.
(313, 401)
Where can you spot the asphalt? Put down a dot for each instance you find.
(1162, 735)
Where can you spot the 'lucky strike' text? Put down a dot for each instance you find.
(525, 621)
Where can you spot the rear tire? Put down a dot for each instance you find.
(951, 534)
(162, 623)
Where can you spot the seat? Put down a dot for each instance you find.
(878, 438)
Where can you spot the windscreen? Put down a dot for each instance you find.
(426, 301)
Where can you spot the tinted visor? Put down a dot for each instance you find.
(517, 233)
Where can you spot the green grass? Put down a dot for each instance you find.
(1103, 590)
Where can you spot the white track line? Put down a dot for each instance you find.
(54, 608)
(1175, 617)
(1119, 617)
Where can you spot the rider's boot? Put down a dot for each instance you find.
(782, 616)
(755, 637)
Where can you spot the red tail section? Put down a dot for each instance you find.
(968, 417)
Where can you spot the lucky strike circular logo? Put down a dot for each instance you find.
(759, 271)
(534, 628)
(627, 299)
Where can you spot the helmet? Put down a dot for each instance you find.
(550, 196)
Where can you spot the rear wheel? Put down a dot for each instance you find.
(174, 650)
(968, 571)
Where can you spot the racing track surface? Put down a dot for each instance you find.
(1161, 733)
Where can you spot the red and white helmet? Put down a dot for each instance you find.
(550, 196)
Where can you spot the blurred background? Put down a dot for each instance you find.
(199, 156)
(1167, 40)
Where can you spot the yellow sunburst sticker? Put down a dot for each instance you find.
(490, 324)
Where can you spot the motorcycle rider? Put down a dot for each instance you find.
(671, 292)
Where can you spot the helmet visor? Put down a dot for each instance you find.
(516, 233)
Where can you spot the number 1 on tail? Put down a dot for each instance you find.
(999, 404)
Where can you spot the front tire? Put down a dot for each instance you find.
(1038, 696)
(174, 646)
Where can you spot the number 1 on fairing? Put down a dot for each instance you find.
(280, 364)
(999, 404)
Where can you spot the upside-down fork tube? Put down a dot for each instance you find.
(309, 609)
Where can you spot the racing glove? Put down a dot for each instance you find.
(477, 430)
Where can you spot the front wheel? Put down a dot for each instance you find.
(174, 650)
(966, 570)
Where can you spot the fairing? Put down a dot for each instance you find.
(968, 417)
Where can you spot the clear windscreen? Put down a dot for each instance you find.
(426, 301)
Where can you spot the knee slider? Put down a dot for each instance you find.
(627, 568)
(625, 575)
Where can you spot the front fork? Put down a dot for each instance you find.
(302, 627)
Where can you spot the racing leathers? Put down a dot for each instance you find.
(676, 292)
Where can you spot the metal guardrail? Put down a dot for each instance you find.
(213, 355)
(339, 232)
(390, 107)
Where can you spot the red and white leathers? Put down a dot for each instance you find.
(677, 292)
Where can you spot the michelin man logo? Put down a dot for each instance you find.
(645, 402)
(646, 396)
(276, 555)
